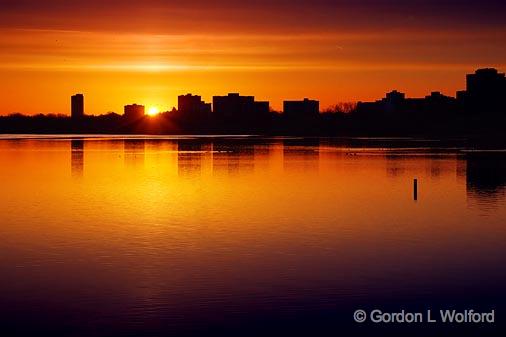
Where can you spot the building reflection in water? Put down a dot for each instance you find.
(484, 172)
(418, 162)
(77, 157)
(233, 156)
(189, 157)
(134, 152)
(264, 155)
(486, 176)
(301, 154)
(396, 166)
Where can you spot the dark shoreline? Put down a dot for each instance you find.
(453, 144)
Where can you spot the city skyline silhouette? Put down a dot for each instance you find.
(477, 110)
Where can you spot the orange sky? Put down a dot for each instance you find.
(149, 52)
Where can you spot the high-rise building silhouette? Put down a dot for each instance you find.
(485, 82)
(485, 92)
(77, 106)
(134, 111)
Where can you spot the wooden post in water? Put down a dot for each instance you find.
(415, 189)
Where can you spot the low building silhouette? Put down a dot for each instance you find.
(437, 103)
(393, 103)
(301, 117)
(192, 113)
(242, 112)
(397, 114)
(306, 108)
(134, 111)
(77, 106)
(234, 105)
(192, 105)
(396, 102)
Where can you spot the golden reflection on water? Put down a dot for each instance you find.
(213, 214)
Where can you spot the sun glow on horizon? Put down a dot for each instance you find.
(153, 111)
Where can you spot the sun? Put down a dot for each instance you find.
(153, 111)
